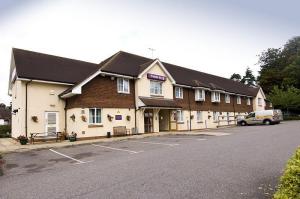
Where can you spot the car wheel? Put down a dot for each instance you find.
(267, 122)
(243, 123)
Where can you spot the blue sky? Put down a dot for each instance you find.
(218, 37)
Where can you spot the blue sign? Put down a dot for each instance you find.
(118, 117)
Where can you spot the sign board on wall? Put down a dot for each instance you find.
(156, 77)
(118, 117)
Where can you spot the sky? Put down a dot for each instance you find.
(220, 37)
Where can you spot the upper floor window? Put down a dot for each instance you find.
(200, 95)
(248, 101)
(227, 98)
(95, 116)
(238, 100)
(155, 88)
(179, 116)
(199, 116)
(178, 92)
(259, 102)
(215, 96)
(123, 85)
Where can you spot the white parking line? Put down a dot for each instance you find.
(78, 161)
(201, 139)
(167, 144)
(117, 149)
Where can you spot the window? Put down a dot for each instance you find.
(227, 98)
(215, 96)
(248, 101)
(259, 102)
(215, 116)
(95, 116)
(271, 105)
(238, 100)
(179, 116)
(178, 92)
(199, 95)
(123, 85)
(155, 88)
(199, 116)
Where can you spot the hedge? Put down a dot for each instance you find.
(3, 131)
(289, 185)
(291, 117)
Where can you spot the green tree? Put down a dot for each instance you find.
(236, 77)
(286, 99)
(249, 78)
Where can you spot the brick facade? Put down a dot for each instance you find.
(101, 92)
(188, 102)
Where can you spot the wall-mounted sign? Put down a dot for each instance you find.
(156, 77)
(118, 117)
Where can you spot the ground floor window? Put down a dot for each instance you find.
(215, 116)
(199, 116)
(95, 116)
(179, 116)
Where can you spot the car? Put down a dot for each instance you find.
(266, 117)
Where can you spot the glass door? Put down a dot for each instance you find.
(148, 121)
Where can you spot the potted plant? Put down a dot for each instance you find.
(35, 119)
(72, 137)
(83, 118)
(128, 117)
(23, 140)
(109, 117)
(72, 117)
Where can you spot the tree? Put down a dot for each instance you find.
(249, 78)
(286, 99)
(236, 77)
(2, 105)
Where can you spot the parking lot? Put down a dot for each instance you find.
(246, 163)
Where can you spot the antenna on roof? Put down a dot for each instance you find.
(152, 50)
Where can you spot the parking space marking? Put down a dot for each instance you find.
(78, 161)
(201, 139)
(117, 149)
(159, 143)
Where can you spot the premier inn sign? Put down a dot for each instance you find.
(156, 77)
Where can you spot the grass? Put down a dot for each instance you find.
(289, 186)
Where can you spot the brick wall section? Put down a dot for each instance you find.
(208, 105)
(101, 92)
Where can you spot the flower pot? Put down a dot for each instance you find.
(72, 139)
(23, 142)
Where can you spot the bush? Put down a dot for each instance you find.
(289, 186)
(291, 117)
(3, 131)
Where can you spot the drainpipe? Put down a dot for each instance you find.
(26, 107)
(66, 115)
(190, 109)
(135, 108)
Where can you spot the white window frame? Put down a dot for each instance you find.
(238, 100)
(121, 85)
(214, 97)
(199, 116)
(153, 89)
(199, 95)
(179, 115)
(95, 116)
(179, 92)
(215, 116)
(248, 101)
(259, 102)
(271, 105)
(227, 98)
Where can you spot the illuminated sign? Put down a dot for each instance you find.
(156, 77)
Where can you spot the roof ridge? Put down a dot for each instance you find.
(30, 51)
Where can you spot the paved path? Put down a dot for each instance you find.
(245, 164)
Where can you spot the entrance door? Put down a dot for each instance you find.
(148, 121)
(173, 120)
(51, 120)
(164, 120)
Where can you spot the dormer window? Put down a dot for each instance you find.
(199, 95)
(248, 101)
(215, 96)
(238, 100)
(123, 85)
(227, 98)
(178, 92)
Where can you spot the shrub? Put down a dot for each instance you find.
(289, 186)
(291, 117)
(4, 129)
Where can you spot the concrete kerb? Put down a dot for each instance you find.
(23, 148)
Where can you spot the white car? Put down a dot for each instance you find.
(261, 117)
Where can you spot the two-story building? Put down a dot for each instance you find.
(55, 94)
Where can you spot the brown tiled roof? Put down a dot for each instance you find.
(157, 102)
(129, 64)
(39, 66)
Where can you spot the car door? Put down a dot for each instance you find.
(250, 119)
